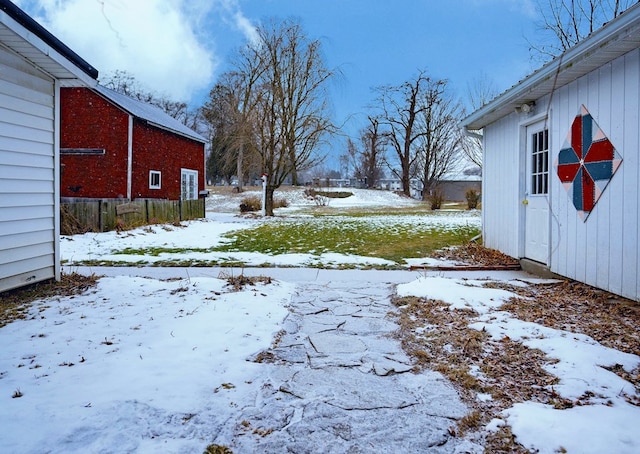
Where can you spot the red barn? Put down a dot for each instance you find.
(114, 146)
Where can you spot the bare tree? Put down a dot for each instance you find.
(367, 159)
(229, 112)
(223, 116)
(567, 22)
(125, 83)
(439, 145)
(288, 106)
(422, 121)
(401, 107)
(480, 91)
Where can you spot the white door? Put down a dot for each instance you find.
(189, 184)
(536, 200)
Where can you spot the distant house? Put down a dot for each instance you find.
(34, 66)
(114, 146)
(561, 172)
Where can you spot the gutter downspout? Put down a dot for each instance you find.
(57, 179)
(129, 157)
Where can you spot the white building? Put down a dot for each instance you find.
(33, 66)
(561, 162)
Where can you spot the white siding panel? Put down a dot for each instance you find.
(604, 251)
(25, 213)
(34, 200)
(500, 198)
(27, 173)
(18, 226)
(24, 188)
(627, 186)
(36, 160)
(559, 200)
(21, 132)
(591, 228)
(602, 241)
(26, 252)
(30, 268)
(616, 135)
(25, 239)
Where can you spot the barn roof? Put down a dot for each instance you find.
(25, 36)
(151, 114)
(616, 38)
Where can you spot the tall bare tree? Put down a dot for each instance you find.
(401, 105)
(230, 112)
(421, 118)
(479, 92)
(286, 100)
(222, 112)
(566, 22)
(439, 146)
(367, 160)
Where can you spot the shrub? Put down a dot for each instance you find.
(254, 203)
(280, 203)
(473, 197)
(250, 203)
(435, 199)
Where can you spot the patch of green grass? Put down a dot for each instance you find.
(156, 251)
(350, 235)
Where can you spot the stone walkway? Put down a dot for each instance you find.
(340, 383)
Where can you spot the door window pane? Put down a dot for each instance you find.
(540, 162)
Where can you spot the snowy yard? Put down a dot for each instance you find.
(167, 363)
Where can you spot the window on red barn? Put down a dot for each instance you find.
(155, 179)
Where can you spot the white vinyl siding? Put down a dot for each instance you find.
(27, 173)
(500, 198)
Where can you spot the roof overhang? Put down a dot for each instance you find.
(619, 36)
(24, 36)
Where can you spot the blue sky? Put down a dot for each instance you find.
(179, 47)
(376, 42)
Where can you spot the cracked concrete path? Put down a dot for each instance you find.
(340, 383)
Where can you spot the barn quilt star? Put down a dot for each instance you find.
(586, 163)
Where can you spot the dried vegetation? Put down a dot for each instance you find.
(475, 254)
(16, 304)
(240, 281)
(439, 338)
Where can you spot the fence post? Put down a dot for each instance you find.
(100, 220)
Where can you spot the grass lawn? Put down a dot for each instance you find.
(391, 237)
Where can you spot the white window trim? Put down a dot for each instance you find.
(151, 175)
(185, 173)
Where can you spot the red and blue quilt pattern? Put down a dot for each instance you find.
(586, 163)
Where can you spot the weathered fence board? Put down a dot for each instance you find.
(103, 215)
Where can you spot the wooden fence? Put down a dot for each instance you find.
(103, 215)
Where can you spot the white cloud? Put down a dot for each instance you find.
(163, 43)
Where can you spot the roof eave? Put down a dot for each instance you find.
(618, 37)
(40, 38)
(195, 137)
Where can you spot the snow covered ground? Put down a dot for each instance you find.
(152, 364)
